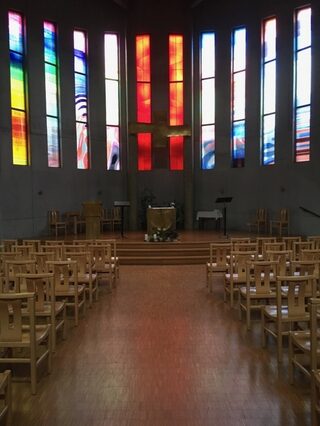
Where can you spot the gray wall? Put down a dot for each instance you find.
(27, 193)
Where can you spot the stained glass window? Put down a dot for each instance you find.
(111, 69)
(81, 98)
(302, 86)
(268, 110)
(143, 74)
(52, 93)
(176, 106)
(238, 96)
(20, 148)
(207, 76)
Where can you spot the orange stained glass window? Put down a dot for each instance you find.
(176, 106)
(143, 100)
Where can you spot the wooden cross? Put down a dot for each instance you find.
(160, 129)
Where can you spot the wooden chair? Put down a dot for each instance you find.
(258, 290)
(218, 262)
(107, 219)
(85, 275)
(316, 240)
(239, 240)
(277, 246)
(65, 275)
(261, 240)
(41, 258)
(6, 397)
(282, 223)
(114, 258)
(57, 250)
(282, 258)
(14, 267)
(116, 216)
(238, 272)
(245, 247)
(277, 320)
(34, 341)
(46, 307)
(55, 223)
(299, 246)
(289, 241)
(260, 221)
(102, 263)
(8, 244)
(304, 345)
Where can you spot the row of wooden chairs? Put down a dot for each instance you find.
(43, 285)
(110, 218)
(280, 291)
(261, 223)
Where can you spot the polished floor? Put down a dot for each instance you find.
(160, 350)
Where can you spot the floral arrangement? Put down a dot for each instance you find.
(162, 234)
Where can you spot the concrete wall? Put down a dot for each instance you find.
(27, 193)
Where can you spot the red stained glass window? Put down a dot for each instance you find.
(144, 151)
(143, 100)
(176, 99)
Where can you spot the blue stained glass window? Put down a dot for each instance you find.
(15, 33)
(238, 136)
(302, 84)
(268, 110)
(268, 139)
(208, 147)
(208, 100)
(50, 44)
(238, 96)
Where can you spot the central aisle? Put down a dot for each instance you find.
(160, 351)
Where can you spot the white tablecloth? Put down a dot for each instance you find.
(214, 214)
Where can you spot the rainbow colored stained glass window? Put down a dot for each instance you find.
(52, 102)
(176, 105)
(143, 73)
(111, 70)
(268, 110)
(238, 96)
(207, 76)
(81, 98)
(20, 149)
(302, 84)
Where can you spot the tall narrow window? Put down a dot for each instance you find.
(52, 102)
(238, 96)
(143, 99)
(176, 116)
(207, 101)
(81, 98)
(302, 84)
(111, 70)
(20, 148)
(268, 113)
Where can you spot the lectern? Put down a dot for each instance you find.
(224, 201)
(92, 211)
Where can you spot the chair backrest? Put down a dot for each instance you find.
(313, 254)
(116, 214)
(57, 250)
(83, 261)
(294, 298)
(314, 309)
(220, 254)
(53, 217)
(245, 247)
(275, 246)
(15, 267)
(305, 267)
(239, 261)
(101, 255)
(111, 241)
(239, 240)
(261, 215)
(62, 272)
(282, 259)
(41, 258)
(284, 216)
(261, 240)
(41, 285)
(9, 244)
(316, 240)
(11, 305)
(290, 240)
(299, 246)
(72, 248)
(260, 274)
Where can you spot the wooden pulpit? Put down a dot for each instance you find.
(92, 211)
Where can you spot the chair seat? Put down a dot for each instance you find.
(271, 311)
(253, 293)
(47, 309)
(41, 333)
(70, 291)
(302, 339)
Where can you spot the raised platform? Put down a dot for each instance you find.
(166, 253)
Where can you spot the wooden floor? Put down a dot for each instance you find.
(161, 351)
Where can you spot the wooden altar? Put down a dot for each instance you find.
(163, 218)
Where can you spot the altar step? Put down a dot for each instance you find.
(166, 253)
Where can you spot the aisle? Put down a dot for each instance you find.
(161, 351)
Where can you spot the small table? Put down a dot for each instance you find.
(203, 216)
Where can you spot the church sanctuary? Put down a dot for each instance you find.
(160, 213)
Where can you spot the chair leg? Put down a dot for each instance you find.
(263, 324)
(290, 366)
(33, 370)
